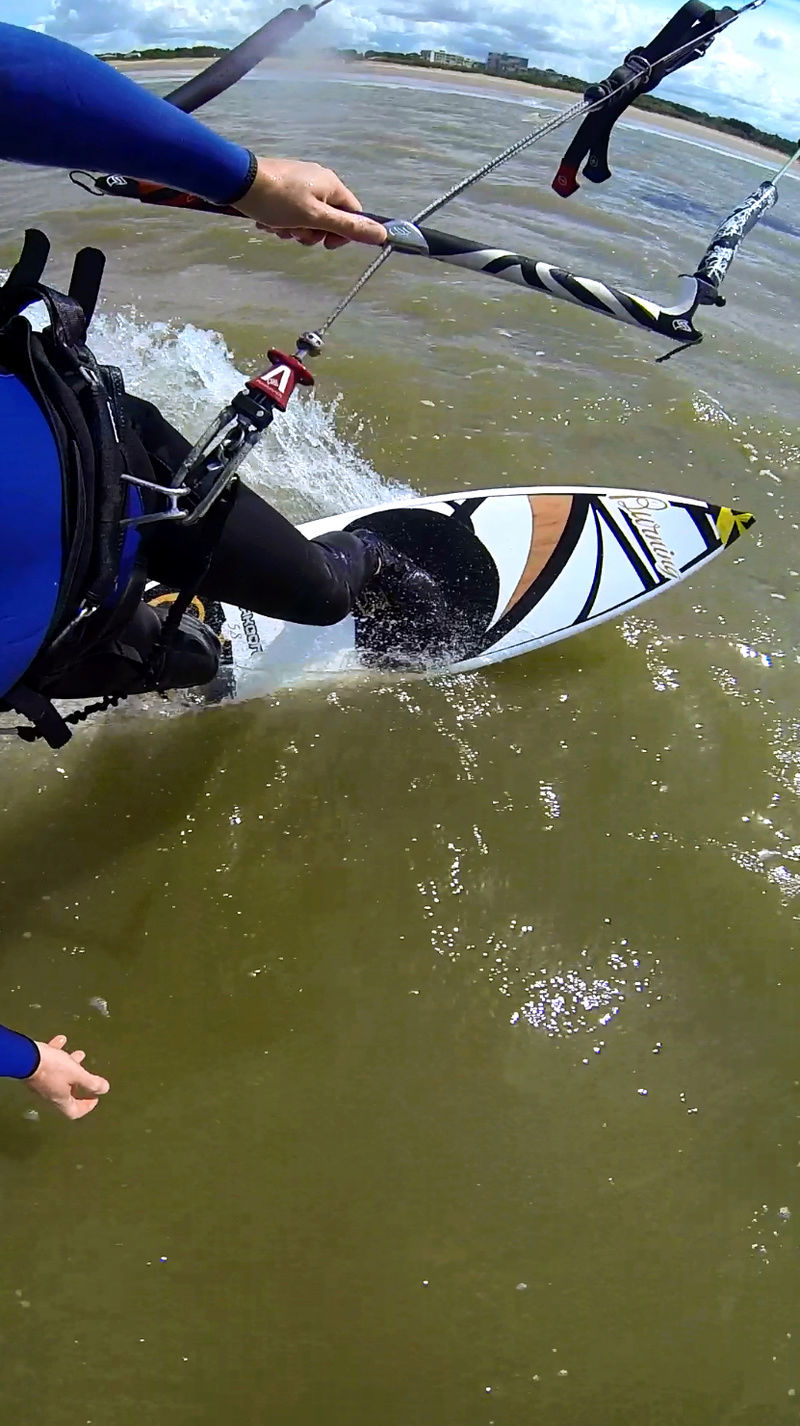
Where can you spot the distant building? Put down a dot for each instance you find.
(443, 59)
(506, 64)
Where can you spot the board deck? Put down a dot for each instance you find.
(520, 568)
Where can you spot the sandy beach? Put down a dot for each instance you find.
(481, 84)
(490, 83)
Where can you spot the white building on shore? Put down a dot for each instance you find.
(443, 60)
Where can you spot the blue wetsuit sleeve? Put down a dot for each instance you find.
(19, 1056)
(62, 108)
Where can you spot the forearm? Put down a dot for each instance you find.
(62, 108)
(19, 1056)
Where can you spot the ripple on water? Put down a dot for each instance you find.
(583, 998)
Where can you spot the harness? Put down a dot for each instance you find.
(72, 543)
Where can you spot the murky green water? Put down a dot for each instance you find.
(451, 1025)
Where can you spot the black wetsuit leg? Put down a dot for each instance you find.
(261, 562)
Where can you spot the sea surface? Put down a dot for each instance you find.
(452, 1025)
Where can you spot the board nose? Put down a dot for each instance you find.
(732, 523)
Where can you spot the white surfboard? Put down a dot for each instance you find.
(520, 568)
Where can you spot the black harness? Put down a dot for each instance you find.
(104, 469)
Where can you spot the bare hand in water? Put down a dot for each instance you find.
(62, 1079)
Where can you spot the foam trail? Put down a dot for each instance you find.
(302, 464)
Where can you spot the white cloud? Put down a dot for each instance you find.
(86, 22)
(773, 39)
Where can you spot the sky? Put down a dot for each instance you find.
(751, 71)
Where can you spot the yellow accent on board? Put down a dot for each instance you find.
(732, 523)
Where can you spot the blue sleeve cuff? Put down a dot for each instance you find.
(62, 108)
(19, 1056)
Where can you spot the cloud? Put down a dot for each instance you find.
(605, 27)
(773, 40)
(86, 22)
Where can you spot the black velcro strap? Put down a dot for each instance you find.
(18, 290)
(24, 286)
(87, 275)
(104, 411)
(67, 319)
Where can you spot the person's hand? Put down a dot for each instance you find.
(308, 203)
(62, 1079)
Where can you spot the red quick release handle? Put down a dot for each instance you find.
(279, 382)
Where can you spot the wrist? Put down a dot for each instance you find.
(246, 184)
(259, 189)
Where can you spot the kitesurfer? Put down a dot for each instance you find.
(72, 619)
(72, 565)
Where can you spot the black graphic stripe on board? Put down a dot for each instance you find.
(639, 539)
(649, 580)
(463, 510)
(557, 562)
(603, 617)
(598, 572)
(704, 555)
(703, 519)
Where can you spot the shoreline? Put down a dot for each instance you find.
(486, 84)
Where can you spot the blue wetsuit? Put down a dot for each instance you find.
(19, 1056)
(62, 108)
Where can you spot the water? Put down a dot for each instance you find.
(450, 1025)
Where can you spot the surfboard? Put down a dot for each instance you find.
(520, 568)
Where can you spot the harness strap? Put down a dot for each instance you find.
(23, 286)
(67, 320)
(24, 275)
(87, 275)
(70, 314)
(212, 525)
(103, 410)
(47, 722)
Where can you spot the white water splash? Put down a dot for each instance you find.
(303, 465)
